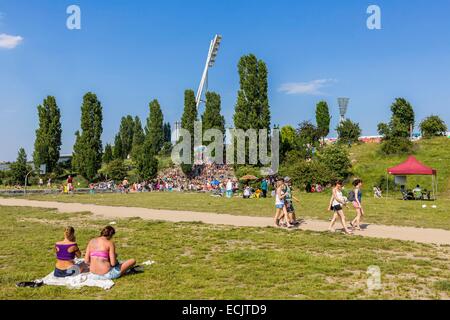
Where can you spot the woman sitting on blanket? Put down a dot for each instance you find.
(102, 258)
(66, 251)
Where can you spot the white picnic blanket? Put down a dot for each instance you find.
(78, 281)
(83, 279)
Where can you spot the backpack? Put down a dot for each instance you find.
(351, 196)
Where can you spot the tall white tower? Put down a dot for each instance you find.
(343, 106)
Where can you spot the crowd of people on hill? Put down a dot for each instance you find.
(204, 178)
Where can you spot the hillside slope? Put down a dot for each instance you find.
(370, 165)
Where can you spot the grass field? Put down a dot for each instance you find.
(197, 261)
(379, 211)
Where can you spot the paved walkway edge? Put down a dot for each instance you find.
(420, 235)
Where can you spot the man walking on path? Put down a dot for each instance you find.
(264, 187)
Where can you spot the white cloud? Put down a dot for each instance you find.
(9, 42)
(308, 88)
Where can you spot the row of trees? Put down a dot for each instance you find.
(211, 118)
(398, 131)
(134, 142)
(305, 156)
(88, 149)
(308, 137)
(141, 145)
(303, 146)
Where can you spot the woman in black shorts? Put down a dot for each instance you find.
(336, 203)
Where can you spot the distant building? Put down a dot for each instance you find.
(4, 166)
(363, 139)
(371, 139)
(65, 158)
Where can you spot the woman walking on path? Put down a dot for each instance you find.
(356, 196)
(279, 201)
(336, 203)
(289, 209)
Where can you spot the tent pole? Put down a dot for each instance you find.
(433, 185)
(387, 189)
(436, 182)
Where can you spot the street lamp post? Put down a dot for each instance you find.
(42, 170)
(26, 182)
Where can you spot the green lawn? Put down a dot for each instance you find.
(380, 211)
(197, 261)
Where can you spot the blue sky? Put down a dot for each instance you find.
(130, 52)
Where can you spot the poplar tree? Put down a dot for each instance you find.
(252, 109)
(323, 119)
(146, 162)
(19, 169)
(247, 105)
(87, 157)
(189, 113)
(154, 128)
(126, 133)
(108, 154)
(138, 137)
(117, 150)
(211, 118)
(187, 122)
(47, 144)
(167, 132)
(264, 108)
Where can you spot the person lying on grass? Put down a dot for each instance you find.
(66, 251)
(102, 259)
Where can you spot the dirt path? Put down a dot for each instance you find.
(430, 236)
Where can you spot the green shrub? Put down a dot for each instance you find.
(336, 158)
(348, 132)
(433, 126)
(396, 146)
(243, 170)
(304, 172)
(382, 182)
(116, 170)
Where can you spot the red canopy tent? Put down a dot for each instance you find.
(412, 166)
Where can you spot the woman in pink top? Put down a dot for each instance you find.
(102, 258)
